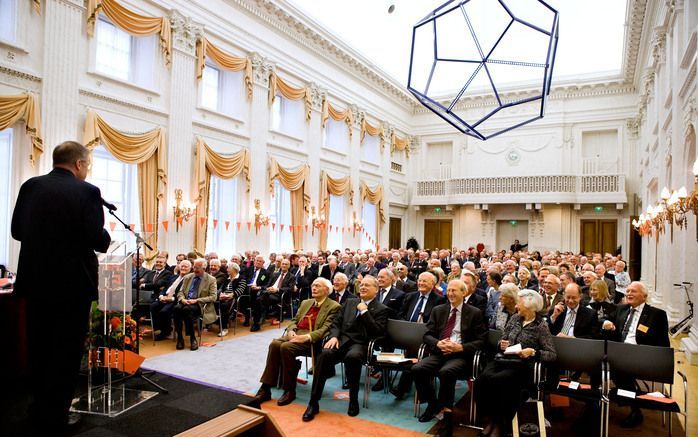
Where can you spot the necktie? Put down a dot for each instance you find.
(194, 289)
(550, 300)
(628, 322)
(281, 280)
(569, 321)
(382, 294)
(448, 330)
(254, 277)
(418, 310)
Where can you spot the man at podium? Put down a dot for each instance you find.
(58, 216)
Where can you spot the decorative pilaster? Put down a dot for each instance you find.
(180, 135)
(62, 58)
(314, 140)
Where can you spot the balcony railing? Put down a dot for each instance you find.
(606, 188)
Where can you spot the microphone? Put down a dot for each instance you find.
(109, 206)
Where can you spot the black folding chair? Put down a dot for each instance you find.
(583, 355)
(652, 364)
(479, 361)
(404, 335)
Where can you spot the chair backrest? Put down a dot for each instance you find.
(493, 338)
(649, 363)
(406, 335)
(579, 354)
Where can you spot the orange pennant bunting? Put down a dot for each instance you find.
(215, 223)
(165, 224)
(149, 227)
(132, 226)
(306, 228)
(180, 220)
(227, 225)
(290, 228)
(273, 226)
(249, 226)
(112, 226)
(202, 220)
(282, 227)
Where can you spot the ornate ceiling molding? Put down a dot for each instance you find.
(635, 19)
(276, 16)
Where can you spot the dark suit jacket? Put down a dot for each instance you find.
(417, 268)
(304, 281)
(262, 278)
(654, 319)
(326, 272)
(59, 217)
(370, 325)
(478, 302)
(347, 295)
(286, 286)
(364, 270)
(406, 285)
(411, 300)
(157, 285)
(472, 328)
(586, 324)
(393, 300)
(548, 309)
(349, 269)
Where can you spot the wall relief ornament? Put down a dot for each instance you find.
(185, 32)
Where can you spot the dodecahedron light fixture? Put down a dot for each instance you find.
(480, 47)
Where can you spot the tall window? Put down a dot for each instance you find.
(281, 240)
(8, 20)
(370, 149)
(368, 216)
(336, 135)
(123, 56)
(287, 115)
(336, 219)
(5, 186)
(118, 183)
(221, 90)
(222, 206)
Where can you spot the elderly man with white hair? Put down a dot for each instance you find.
(196, 296)
(636, 322)
(622, 280)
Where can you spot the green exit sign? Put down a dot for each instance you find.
(437, 210)
(598, 208)
(513, 222)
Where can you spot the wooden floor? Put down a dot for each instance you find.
(148, 350)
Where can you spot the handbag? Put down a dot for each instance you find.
(507, 360)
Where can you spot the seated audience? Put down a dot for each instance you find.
(306, 331)
(158, 279)
(622, 280)
(472, 298)
(233, 287)
(508, 298)
(552, 296)
(499, 386)
(340, 293)
(636, 322)
(162, 307)
(454, 332)
(358, 322)
(196, 297)
(600, 302)
(387, 294)
(404, 283)
(257, 279)
(214, 269)
(281, 286)
(571, 319)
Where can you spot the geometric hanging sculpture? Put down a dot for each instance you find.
(481, 47)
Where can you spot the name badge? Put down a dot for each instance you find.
(642, 328)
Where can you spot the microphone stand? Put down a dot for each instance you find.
(139, 241)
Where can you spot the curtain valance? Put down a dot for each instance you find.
(336, 187)
(330, 111)
(399, 144)
(23, 107)
(131, 22)
(289, 92)
(206, 49)
(374, 131)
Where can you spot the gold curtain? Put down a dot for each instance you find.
(368, 128)
(335, 187)
(295, 181)
(375, 197)
(148, 150)
(399, 144)
(209, 162)
(23, 107)
(205, 48)
(37, 6)
(329, 111)
(290, 92)
(131, 22)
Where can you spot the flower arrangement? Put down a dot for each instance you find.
(120, 334)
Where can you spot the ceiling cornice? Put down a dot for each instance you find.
(284, 17)
(634, 23)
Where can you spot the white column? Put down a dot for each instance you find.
(354, 165)
(385, 172)
(314, 145)
(62, 59)
(259, 132)
(180, 135)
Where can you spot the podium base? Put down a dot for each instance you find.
(104, 402)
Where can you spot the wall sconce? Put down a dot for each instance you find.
(356, 224)
(316, 221)
(260, 219)
(181, 212)
(672, 209)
